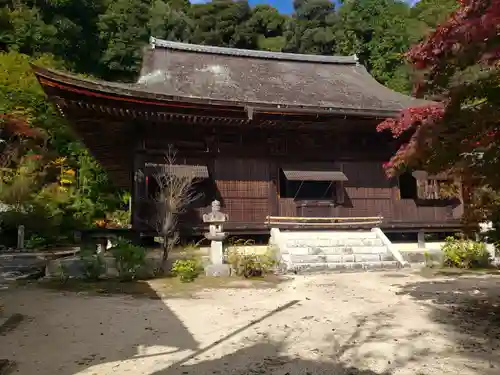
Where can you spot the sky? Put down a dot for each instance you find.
(284, 6)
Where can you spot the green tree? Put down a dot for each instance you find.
(24, 30)
(36, 180)
(65, 28)
(268, 24)
(433, 12)
(379, 32)
(223, 23)
(170, 21)
(123, 30)
(21, 94)
(311, 30)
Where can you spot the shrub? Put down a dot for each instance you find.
(45, 224)
(187, 269)
(92, 265)
(462, 253)
(38, 229)
(129, 259)
(36, 242)
(249, 264)
(428, 259)
(118, 219)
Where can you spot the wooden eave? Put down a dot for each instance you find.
(124, 99)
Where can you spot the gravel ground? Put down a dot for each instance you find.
(365, 323)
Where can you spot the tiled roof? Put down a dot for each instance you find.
(283, 79)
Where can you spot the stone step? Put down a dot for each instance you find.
(337, 250)
(333, 234)
(354, 258)
(335, 243)
(344, 267)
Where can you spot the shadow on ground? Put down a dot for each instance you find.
(356, 353)
(470, 307)
(85, 330)
(264, 358)
(72, 333)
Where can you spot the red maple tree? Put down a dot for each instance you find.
(17, 126)
(458, 67)
(16, 138)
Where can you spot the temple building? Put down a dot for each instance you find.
(272, 136)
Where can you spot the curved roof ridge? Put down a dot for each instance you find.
(344, 60)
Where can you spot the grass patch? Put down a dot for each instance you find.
(428, 272)
(174, 287)
(168, 287)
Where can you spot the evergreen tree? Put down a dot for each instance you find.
(123, 30)
(311, 30)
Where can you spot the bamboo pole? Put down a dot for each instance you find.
(322, 218)
(324, 224)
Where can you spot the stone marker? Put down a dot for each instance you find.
(20, 237)
(215, 234)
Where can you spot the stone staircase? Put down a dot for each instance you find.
(309, 251)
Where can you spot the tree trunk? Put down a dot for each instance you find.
(169, 243)
(164, 258)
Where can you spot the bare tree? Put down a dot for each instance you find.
(176, 194)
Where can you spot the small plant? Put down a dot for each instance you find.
(271, 257)
(118, 219)
(250, 264)
(129, 259)
(463, 253)
(35, 242)
(428, 259)
(187, 269)
(92, 265)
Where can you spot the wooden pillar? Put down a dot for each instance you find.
(273, 188)
(138, 190)
(339, 186)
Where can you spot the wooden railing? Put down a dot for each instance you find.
(323, 221)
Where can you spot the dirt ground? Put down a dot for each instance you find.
(356, 324)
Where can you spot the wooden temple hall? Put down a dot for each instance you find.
(277, 138)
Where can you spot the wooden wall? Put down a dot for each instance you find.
(248, 187)
(369, 193)
(244, 186)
